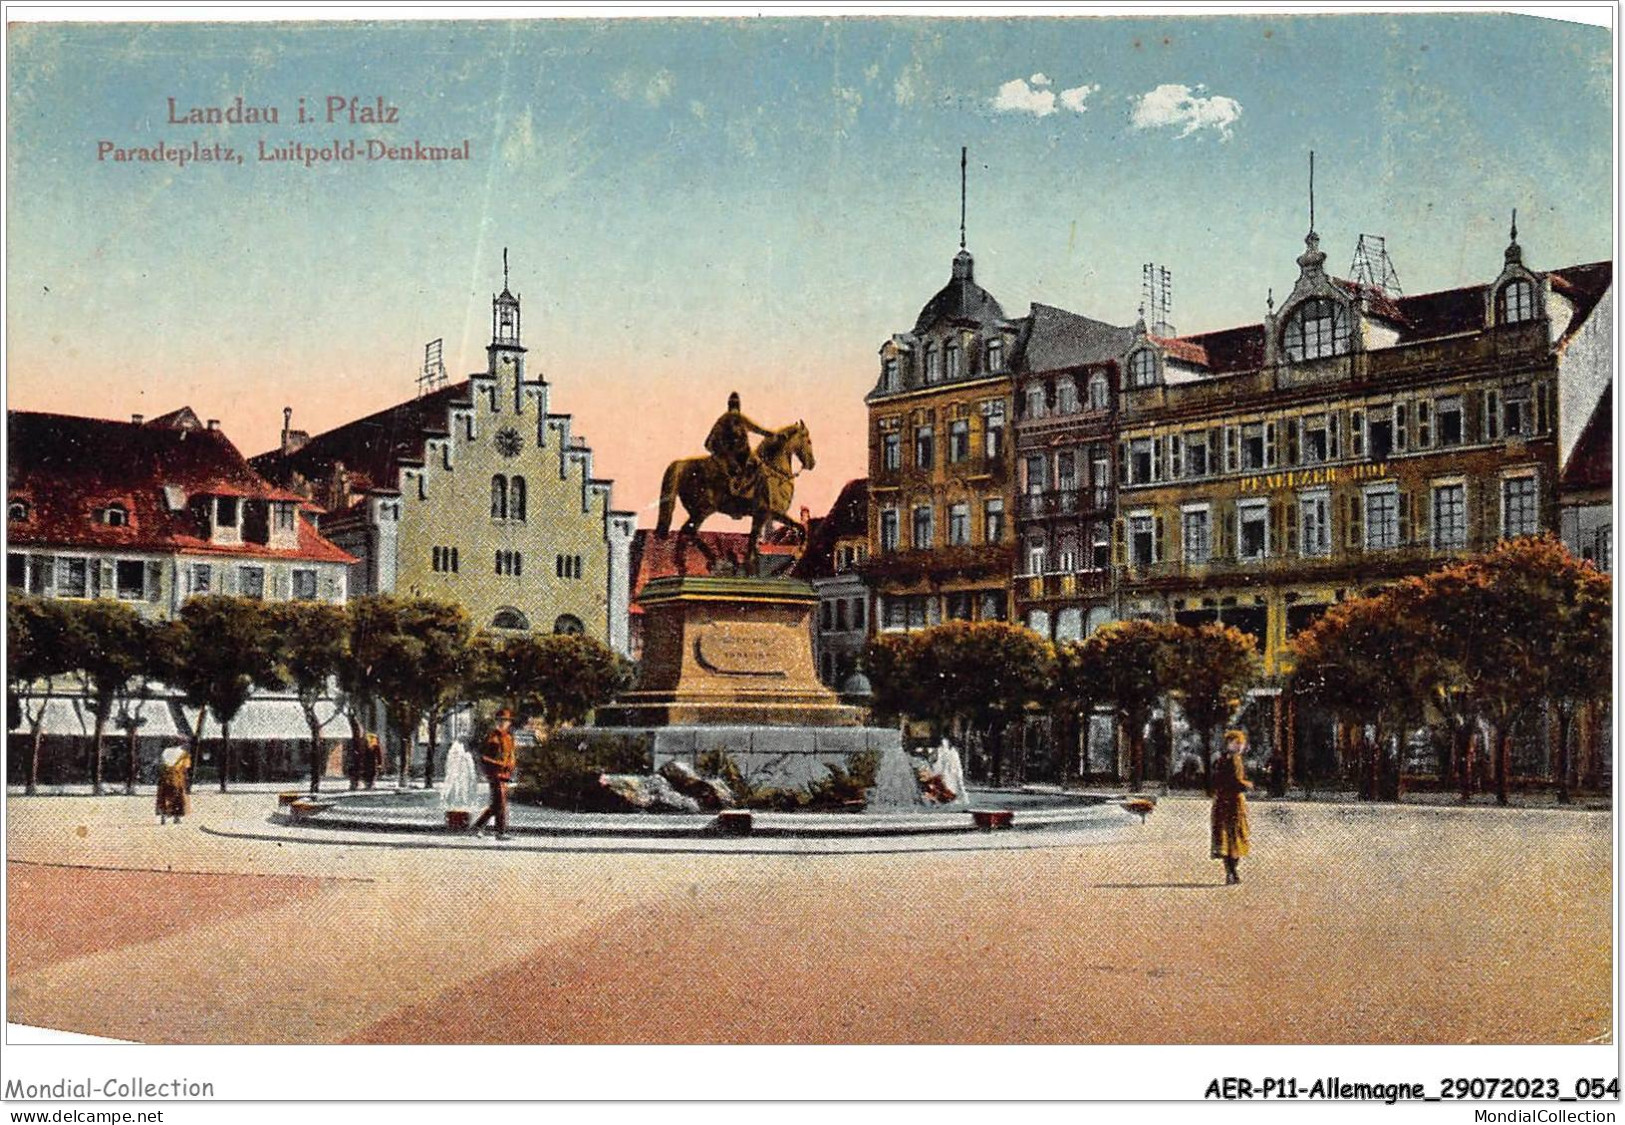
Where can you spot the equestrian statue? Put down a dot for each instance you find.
(737, 481)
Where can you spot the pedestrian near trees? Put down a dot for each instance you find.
(173, 799)
(1230, 785)
(498, 759)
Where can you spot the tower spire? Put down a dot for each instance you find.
(1311, 191)
(962, 152)
(505, 269)
(1514, 224)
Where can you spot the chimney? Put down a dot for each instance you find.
(213, 423)
(137, 419)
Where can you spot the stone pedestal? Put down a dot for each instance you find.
(733, 652)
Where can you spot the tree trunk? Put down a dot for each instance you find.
(357, 748)
(1462, 739)
(197, 746)
(995, 753)
(1207, 762)
(406, 755)
(1503, 763)
(428, 754)
(34, 754)
(316, 763)
(96, 751)
(131, 755)
(225, 754)
(1136, 756)
(1087, 721)
(1564, 721)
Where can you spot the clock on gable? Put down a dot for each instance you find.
(508, 442)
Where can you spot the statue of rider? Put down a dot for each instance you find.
(729, 442)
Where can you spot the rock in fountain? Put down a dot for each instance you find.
(728, 667)
(896, 789)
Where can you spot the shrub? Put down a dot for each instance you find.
(562, 771)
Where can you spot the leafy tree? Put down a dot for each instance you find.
(37, 654)
(138, 693)
(1537, 604)
(556, 678)
(1075, 691)
(985, 675)
(310, 645)
(1582, 665)
(373, 620)
(414, 655)
(1369, 661)
(1209, 666)
(892, 661)
(227, 652)
(1129, 662)
(104, 647)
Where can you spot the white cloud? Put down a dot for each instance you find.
(1076, 98)
(1039, 79)
(1176, 105)
(1015, 96)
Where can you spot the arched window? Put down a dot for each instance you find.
(1516, 302)
(568, 625)
(17, 510)
(1099, 393)
(499, 497)
(509, 618)
(1142, 368)
(516, 499)
(116, 515)
(995, 355)
(1317, 328)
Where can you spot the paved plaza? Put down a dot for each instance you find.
(1361, 924)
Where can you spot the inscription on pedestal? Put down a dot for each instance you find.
(737, 650)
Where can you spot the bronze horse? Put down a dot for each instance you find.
(701, 484)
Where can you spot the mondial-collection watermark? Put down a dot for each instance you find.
(83, 1089)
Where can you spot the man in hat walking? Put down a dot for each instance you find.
(498, 759)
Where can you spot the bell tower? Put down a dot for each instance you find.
(506, 356)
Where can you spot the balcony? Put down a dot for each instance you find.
(939, 563)
(1056, 587)
(1066, 502)
(1355, 565)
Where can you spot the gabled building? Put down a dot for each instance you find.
(153, 512)
(476, 493)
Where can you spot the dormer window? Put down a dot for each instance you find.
(1317, 328)
(225, 511)
(888, 374)
(933, 364)
(1142, 368)
(1099, 393)
(17, 511)
(1516, 302)
(1066, 395)
(1035, 401)
(995, 355)
(115, 515)
(956, 357)
(284, 516)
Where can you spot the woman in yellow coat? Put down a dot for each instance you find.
(173, 799)
(1230, 785)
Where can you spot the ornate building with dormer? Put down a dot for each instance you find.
(476, 493)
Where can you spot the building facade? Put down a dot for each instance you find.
(152, 513)
(941, 531)
(475, 493)
(1352, 438)
(837, 547)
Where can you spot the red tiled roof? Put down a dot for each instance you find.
(1377, 300)
(67, 468)
(655, 557)
(1186, 351)
(369, 447)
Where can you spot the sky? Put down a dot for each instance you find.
(705, 205)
